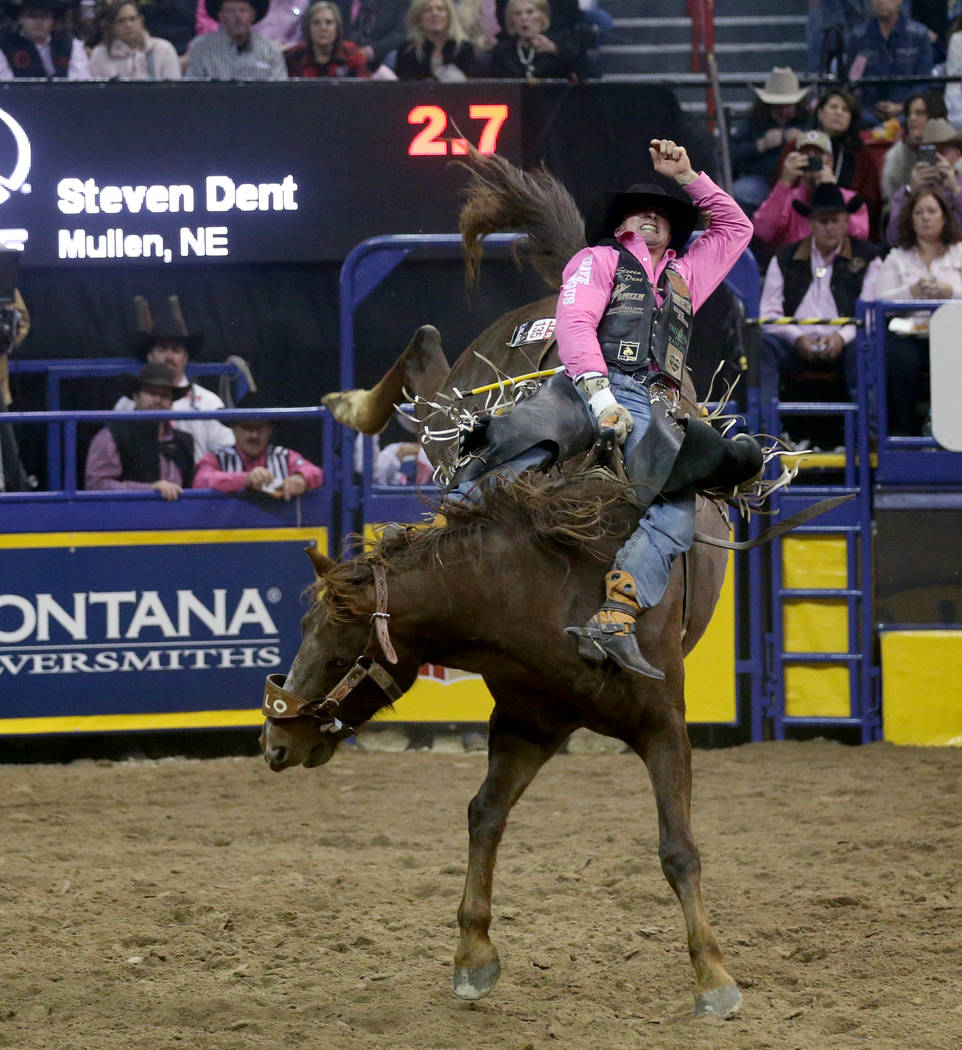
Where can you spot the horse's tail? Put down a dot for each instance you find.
(501, 198)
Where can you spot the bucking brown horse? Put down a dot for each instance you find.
(491, 592)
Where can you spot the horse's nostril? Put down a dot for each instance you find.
(276, 756)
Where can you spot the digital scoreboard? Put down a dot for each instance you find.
(104, 174)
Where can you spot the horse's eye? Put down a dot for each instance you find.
(339, 663)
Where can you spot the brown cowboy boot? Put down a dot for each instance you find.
(611, 631)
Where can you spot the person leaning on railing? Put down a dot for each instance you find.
(252, 464)
(927, 264)
(132, 456)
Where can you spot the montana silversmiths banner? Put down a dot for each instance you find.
(98, 630)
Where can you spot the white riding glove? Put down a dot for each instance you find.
(606, 409)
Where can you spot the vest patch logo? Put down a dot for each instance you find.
(628, 352)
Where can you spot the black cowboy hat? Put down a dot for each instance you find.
(165, 323)
(153, 374)
(260, 8)
(827, 197)
(257, 399)
(14, 7)
(606, 213)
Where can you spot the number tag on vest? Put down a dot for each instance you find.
(532, 331)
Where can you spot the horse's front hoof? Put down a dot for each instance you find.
(719, 1002)
(477, 982)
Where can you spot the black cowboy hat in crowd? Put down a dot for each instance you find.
(827, 197)
(260, 8)
(258, 399)
(14, 7)
(167, 322)
(153, 374)
(606, 213)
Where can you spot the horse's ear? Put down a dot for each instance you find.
(322, 564)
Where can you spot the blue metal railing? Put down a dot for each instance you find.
(66, 423)
(56, 371)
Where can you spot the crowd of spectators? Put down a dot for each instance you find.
(445, 40)
(854, 186)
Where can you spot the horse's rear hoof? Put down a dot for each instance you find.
(476, 983)
(719, 1002)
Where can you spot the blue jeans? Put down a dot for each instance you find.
(667, 528)
(780, 361)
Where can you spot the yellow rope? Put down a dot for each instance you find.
(837, 321)
(509, 381)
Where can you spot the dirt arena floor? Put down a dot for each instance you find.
(213, 904)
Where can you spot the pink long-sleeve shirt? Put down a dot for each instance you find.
(208, 474)
(104, 471)
(589, 277)
(777, 222)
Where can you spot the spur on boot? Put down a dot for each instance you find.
(610, 633)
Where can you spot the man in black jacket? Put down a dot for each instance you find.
(131, 456)
(32, 47)
(820, 276)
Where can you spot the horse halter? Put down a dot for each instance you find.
(281, 703)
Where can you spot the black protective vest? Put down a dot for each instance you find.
(635, 330)
(140, 451)
(848, 273)
(24, 59)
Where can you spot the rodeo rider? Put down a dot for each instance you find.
(623, 325)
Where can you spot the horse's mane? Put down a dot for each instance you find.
(580, 513)
(501, 198)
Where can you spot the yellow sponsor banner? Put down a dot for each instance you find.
(172, 537)
(920, 692)
(444, 695)
(710, 666)
(133, 723)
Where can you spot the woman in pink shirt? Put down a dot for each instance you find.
(777, 221)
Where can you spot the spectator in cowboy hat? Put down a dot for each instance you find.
(778, 219)
(162, 337)
(31, 47)
(253, 464)
(129, 455)
(819, 276)
(757, 142)
(941, 173)
(235, 51)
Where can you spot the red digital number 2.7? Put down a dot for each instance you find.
(429, 143)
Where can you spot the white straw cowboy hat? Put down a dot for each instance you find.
(938, 131)
(781, 88)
